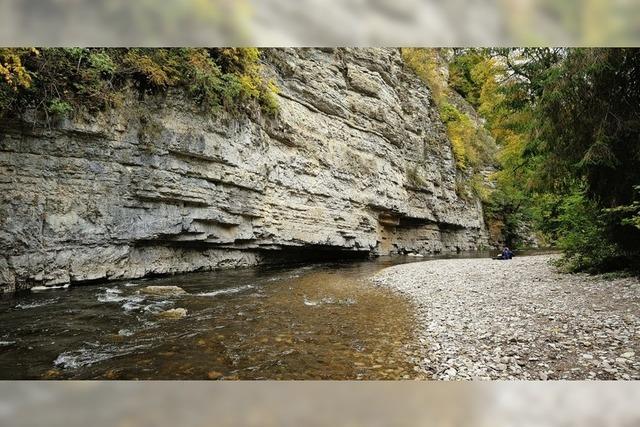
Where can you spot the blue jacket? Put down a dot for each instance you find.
(507, 254)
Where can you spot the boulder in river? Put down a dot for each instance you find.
(163, 290)
(174, 313)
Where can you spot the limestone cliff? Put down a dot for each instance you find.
(358, 160)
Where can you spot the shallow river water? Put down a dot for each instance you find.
(319, 321)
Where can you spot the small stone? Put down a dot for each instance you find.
(543, 376)
(52, 374)
(174, 313)
(628, 318)
(587, 356)
(628, 354)
(112, 374)
(214, 375)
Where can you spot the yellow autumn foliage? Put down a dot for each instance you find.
(12, 71)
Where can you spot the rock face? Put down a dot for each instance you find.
(358, 160)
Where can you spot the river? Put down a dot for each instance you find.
(314, 321)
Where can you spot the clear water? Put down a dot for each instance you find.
(319, 321)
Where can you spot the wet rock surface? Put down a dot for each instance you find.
(520, 319)
(174, 313)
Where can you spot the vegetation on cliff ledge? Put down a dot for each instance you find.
(468, 140)
(57, 81)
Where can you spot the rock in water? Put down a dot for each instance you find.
(174, 313)
(163, 290)
(214, 375)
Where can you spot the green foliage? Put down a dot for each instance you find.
(269, 99)
(628, 214)
(470, 143)
(153, 69)
(61, 79)
(503, 97)
(506, 210)
(59, 108)
(244, 71)
(462, 78)
(203, 80)
(595, 140)
(581, 233)
(544, 210)
(102, 63)
(594, 143)
(464, 137)
(567, 122)
(479, 188)
(425, 63)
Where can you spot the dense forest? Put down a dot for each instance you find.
(551, 144)
(567, 126)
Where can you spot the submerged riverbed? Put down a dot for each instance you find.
(320, 321)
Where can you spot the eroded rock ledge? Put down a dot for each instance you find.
(358, 161)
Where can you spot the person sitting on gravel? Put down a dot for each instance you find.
(506, 254)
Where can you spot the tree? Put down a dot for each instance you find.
(588, 132)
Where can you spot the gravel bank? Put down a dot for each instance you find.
(520, 319)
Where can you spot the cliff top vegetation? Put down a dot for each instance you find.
(57, 81)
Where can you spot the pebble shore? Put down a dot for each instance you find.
(519, 319)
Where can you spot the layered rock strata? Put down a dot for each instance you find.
(358, 160)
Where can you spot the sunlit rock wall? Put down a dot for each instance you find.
(358, 160)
